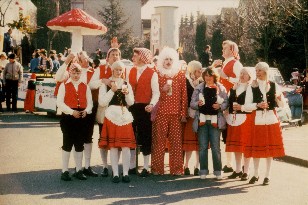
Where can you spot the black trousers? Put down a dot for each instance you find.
(11, 88)
(142, 126)
(74, 132)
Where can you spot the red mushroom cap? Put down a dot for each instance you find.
(77, 19)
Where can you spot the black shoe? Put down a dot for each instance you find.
(144, 173)
(253, 180)
(244, 177)
(65, 176)
(196, 172)
(105, 172)
(186, 171)
(266, 181)
(126, 179)
(116, 179)
(227, 169)
(132, 171)
(89, 172)
(80, 175)
(234, 175)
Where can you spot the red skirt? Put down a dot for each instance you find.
(116, 136)
(30, 100)
(190, 138)
(265, 141)
(237, 135)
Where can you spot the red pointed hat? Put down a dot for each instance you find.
(76, 19)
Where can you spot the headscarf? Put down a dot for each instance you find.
(145, 55)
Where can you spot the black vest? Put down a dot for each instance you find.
(239, 99)
(270, 96)
(210, 97)
(118, 98)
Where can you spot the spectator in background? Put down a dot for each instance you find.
(12, 77)
(45, 64)
(8, 42)
(34, 63)
(29, 102)
(60, 58)
(295, 97)
(98, 54)
(206, 57)
(3, 61)
(56, 64)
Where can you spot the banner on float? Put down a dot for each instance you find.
(44, 96)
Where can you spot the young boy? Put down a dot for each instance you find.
(75, 101)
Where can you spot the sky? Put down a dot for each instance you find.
(207, 7)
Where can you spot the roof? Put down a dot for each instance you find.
(77, 19)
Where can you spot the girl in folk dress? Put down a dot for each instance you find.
(117, 128)
(30, 95)
(190, 138)
(239, 123)
(171, 112)
(263, 96)
(215, 101)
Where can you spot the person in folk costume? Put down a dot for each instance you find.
(29, 102)
(190, 137)
(117, 132)
(265, 141)
(229, 75)
(239, 121)
(210, 99)
(86, 74)
(75, 101)
(144, 82)
(101, 77)
(171, 112)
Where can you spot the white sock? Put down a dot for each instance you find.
(125, 160)
(104, 154)
(187, 157)
(197, 160)
(256, 163)
(246, 165)
(146, 160)
(114, 158)
(238, 161)
(132, 159)
(268, 166)
(229, 159)
(78, 160)
(87, 154)
(65, 160)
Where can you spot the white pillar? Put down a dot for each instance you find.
(169, 26)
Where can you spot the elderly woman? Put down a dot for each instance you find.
(171, 112)
(117, 130)
(190, 138)
(239, 123)
(265, 141)
(210, 99)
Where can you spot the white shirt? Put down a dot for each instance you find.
(237, 67)
(61, 94)
(95, 82)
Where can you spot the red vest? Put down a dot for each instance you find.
(228, 69)
(102, 73)
(73, 98)
(142, 89)
(90, 73)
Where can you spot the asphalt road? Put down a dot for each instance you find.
(30, 161)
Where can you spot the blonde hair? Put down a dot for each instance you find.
(118, 64)
(193, 66)
(233, 47)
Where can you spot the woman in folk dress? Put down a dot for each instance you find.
(117, 129)
(265, 141)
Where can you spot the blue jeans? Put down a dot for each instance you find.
(207, 133)
(296, 111)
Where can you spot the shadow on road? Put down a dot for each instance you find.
(151, 190)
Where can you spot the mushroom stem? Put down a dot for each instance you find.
(77, 41)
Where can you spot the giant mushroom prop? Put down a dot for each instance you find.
(79, 23)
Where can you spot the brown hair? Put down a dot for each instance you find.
(211, 73)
